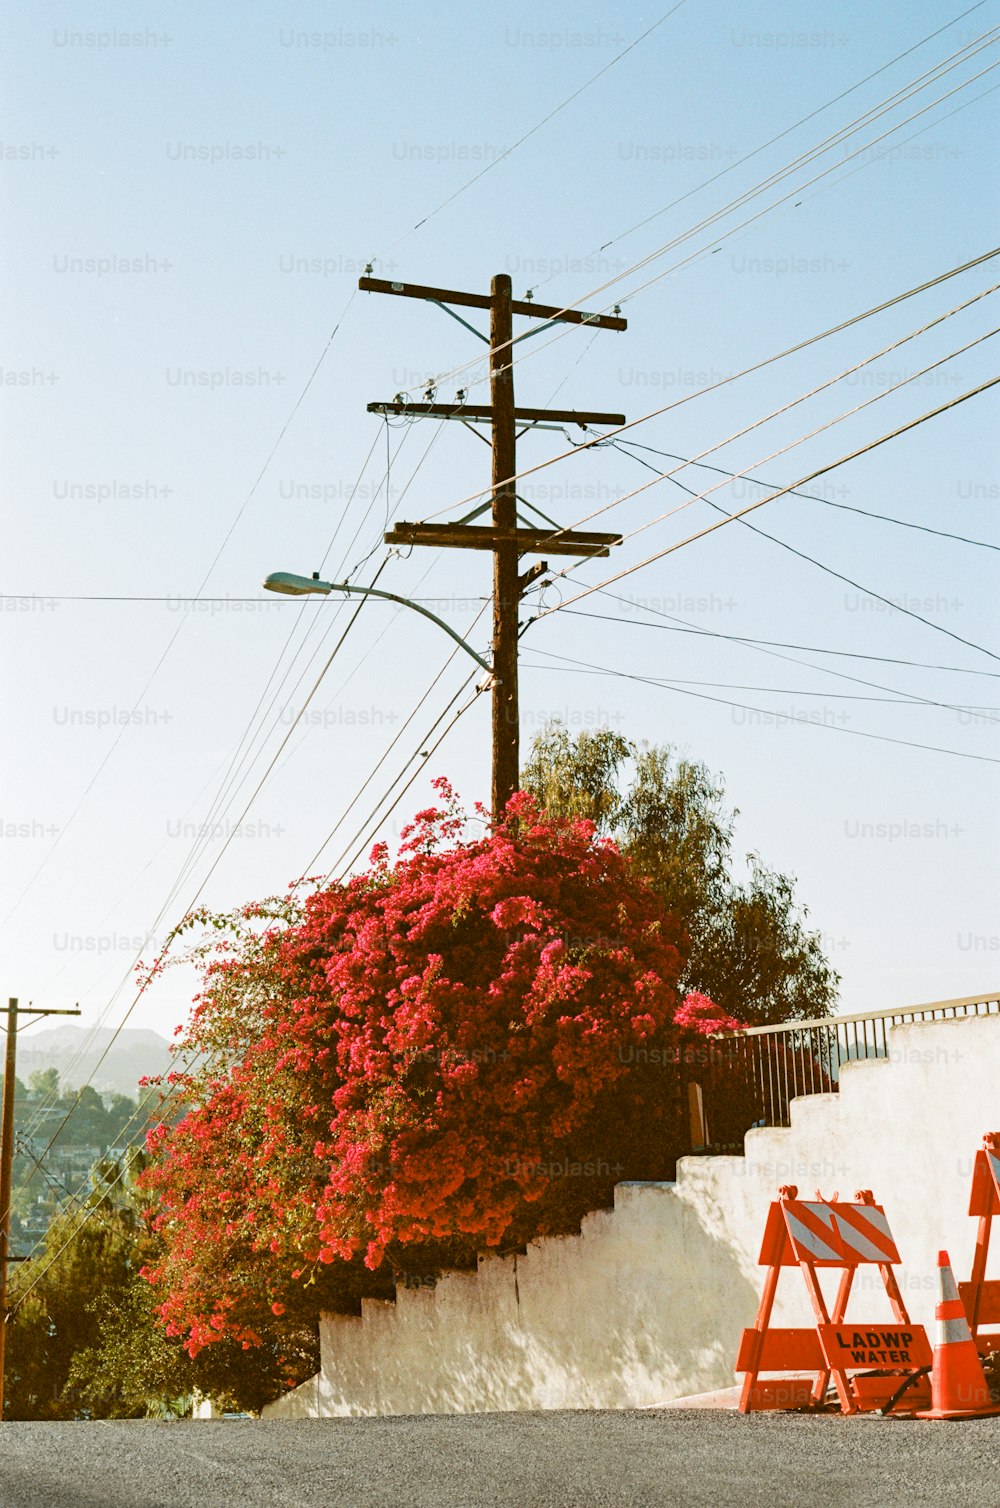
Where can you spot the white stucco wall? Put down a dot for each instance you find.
(647, 1302)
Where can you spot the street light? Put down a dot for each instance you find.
(290, 585)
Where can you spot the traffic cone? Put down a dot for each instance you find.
(959, 1389)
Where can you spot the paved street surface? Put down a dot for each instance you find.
(557, 1460)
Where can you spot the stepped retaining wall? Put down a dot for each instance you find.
(647, 1302)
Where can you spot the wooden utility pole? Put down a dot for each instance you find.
(7, 1166)
(505, 536)
(506, 589)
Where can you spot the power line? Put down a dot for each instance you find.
(801, 482)
(793, 550)
(345, 866)
(276, 602)
(180, 626)
(986, 39)
(814, 497)
(174, 1091)
(837, 696)
(723, 172)
(502, 156)
(784, 408)
(474, 497)
(202, 839)
(840, 675)
(816, 649)
(158, 964)
(767, 712)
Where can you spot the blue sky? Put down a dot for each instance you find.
(191, 196)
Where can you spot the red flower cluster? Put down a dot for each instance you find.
(397, 1061)
(702, 1016)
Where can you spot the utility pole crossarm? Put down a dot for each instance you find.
(482, 301)
(484, 411)
(483, 537)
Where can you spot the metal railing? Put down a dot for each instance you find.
(749, 1078)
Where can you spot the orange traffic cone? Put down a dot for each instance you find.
(959, 1389)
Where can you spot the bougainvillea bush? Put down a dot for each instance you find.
(450, 1053)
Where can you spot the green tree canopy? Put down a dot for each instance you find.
(748, 945)
(44, 1083)
(85, 1340)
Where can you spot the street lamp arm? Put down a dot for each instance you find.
(300, 586)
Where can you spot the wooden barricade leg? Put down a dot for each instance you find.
(839, 1310)
(893, 1293)
(760, 1325)
(822, 1318)
(978, 1276)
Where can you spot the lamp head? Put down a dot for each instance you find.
(290, 585)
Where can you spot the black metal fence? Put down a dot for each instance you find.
(749, 1078)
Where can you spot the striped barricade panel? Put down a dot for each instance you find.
(864, 1233)
(986, 1182)
(812, 1233)
(838, 1235)
(981, 1295)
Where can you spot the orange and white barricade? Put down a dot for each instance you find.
(872, 1365)
(981, 1295)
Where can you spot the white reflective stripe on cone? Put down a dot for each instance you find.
(951, 1330)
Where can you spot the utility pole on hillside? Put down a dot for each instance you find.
(7, 1164)
(504, 536)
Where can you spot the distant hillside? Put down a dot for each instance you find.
(135, 1054)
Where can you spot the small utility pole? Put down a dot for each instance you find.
(7, 1165)
(505, 536)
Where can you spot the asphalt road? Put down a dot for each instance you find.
(685, 1459)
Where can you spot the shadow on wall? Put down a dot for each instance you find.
(645, 1304)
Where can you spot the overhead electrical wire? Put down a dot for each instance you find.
(502, 156)
(227, 798)
(836, 696)
(803, 120)
(815, 497)
(767, 712)
(759, 647)
(979, 44)
(861, 450)
(757, 366)
(343, 863)
(206, 827)
(785, 408)
(816, 649)
(174, 1090)
(181, 624)
(217, 859)
(801, 554)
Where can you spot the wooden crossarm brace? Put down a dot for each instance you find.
(482, 301)
(483, 411)
(483, 537)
